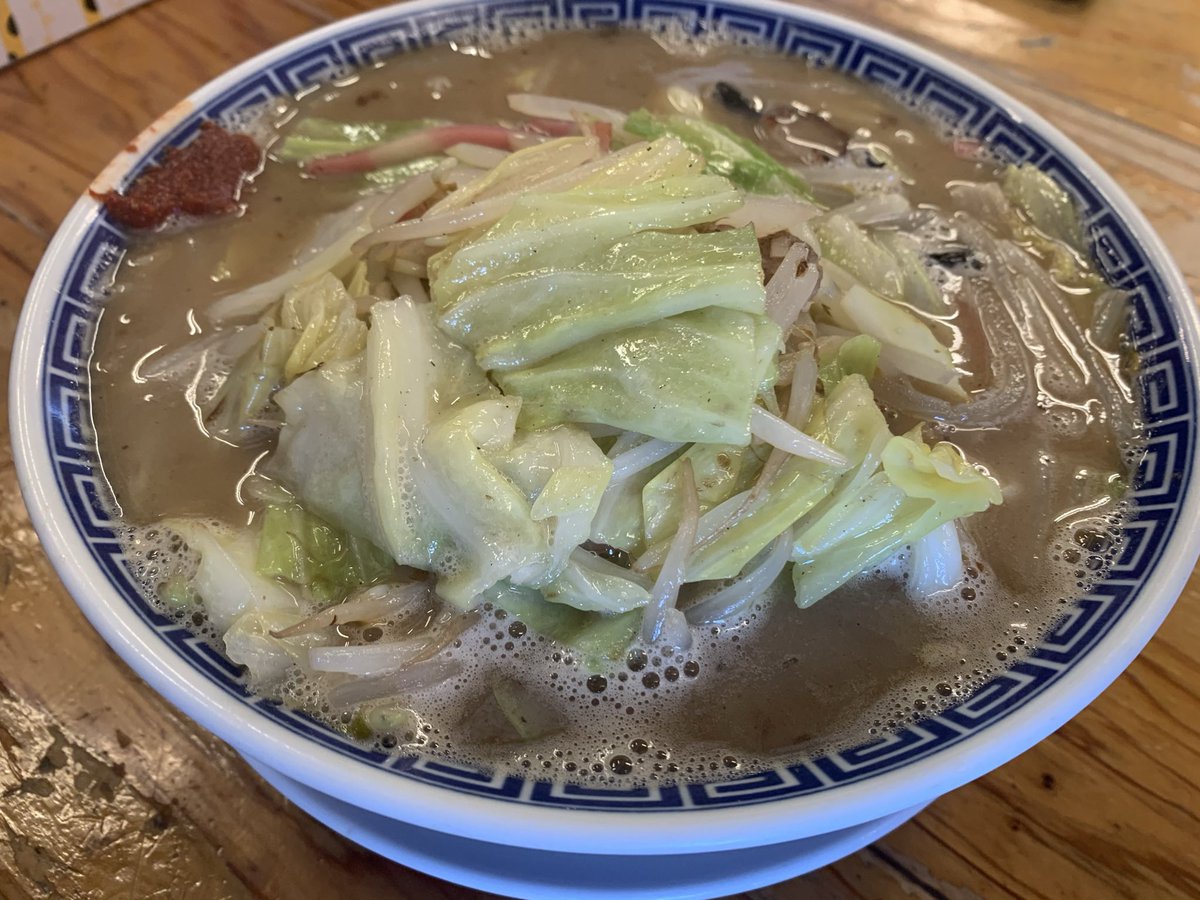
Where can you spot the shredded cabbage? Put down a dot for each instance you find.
(227, 579)
(574, 296)
(249, 642)
(324, 452)
(563, 474)
(890, 265)
(592, 584)
(720, 470)
(598, 639)
(1047, 206)
(908, 343)
(691, 377)
(839, 357)
(918, 489)
(302, 548)
(513, 318)
(745, 164)
(849, 422)
(324, 319)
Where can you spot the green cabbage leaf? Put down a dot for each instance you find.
(913, 490)
(305, 550)
(598, 639)
(720, 471)
(849, 422)
(741, 161)
(513, 317)
(890, 265)
(692, 377)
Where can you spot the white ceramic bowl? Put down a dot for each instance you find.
(1098, 637)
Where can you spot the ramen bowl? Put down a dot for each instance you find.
(1098, 635)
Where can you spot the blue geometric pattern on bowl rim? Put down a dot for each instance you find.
(1165, 383)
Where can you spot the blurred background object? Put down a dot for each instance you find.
(27, 26)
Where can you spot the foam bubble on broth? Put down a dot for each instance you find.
(629, 730)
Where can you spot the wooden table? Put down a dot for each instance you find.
(106, 791)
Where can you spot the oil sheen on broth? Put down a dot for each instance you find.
(785, 684)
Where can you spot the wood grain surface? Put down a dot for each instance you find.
(107, 791)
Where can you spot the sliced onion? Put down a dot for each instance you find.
(1042, 315)
(542, 106)
(407, 197)
(184, 361)
(936, 563)
(366, 660)
(642, 457)
(789, 293)
(370, 604)
(771, 215)
(416, 677)
(676, 632)
(734, 599)
(670, 576)
(1050, 294)
(875, 209)
(849, 176)
(775, 431)
(983, 200)
(478, 155)
(1010, 392)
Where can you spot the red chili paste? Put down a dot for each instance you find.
(202, 179)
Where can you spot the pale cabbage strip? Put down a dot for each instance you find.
(790, 291)
(329, 246)
(875, 209)
(638, 458)
(937, 562)
(734, 599)
(550, 166)
(781, 434)
(546, 107)
(369, 605)
(771, 215)
(671, 575)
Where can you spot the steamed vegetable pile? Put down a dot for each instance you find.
(615, 374)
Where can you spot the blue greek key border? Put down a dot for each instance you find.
(1166, 385)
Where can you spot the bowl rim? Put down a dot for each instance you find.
(581, 830)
